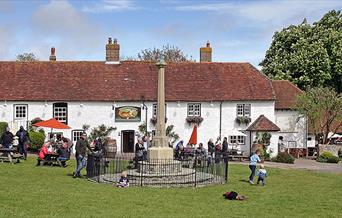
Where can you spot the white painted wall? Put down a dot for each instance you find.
(96, 113)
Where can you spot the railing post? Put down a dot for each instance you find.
(226, 169)
(141, 172)
(195, 164)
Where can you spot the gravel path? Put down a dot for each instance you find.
(305, 164)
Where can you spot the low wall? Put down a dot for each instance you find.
(330, 148)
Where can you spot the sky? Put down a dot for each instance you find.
(239, 31)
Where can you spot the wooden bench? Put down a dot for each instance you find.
(16, 157)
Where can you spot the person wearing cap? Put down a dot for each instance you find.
(81, 148)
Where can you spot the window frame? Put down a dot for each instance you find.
(194, 109)
(238, 139)
(15, 112)
(155, 108)
(241, 110)
(56, 105)
(81, 131)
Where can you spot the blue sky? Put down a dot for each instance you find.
(239, 31)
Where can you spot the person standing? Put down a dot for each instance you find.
(23, 138)
(224, 150)
(81, 148)
(254, 159)
(211, 147)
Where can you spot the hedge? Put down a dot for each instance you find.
(36, 140)
(3, 126)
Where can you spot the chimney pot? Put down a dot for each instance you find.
(53, 55)
(109, 40)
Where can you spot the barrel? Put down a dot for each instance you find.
(110, 147)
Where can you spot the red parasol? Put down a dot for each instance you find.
(193, 137)
(53, 124)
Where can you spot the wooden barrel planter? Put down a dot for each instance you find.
(110, 147)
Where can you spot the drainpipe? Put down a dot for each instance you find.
(220, 129)
(146, 109)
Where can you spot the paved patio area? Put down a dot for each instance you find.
(305, 164)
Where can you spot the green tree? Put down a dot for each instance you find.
(323, 107)
(27, 57)
(102, 131)
(308, 55)
(168, 53)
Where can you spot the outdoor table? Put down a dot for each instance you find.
(8, 154)
(50, 158)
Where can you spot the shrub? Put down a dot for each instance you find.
(3, 126)
(333, 159)
(327, 157)
(340, 153)
(284, 157)
(36, 140)
(243, 120)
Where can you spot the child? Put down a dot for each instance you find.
(254, 159)
(232, 195)
(123, 181)
(262, 175)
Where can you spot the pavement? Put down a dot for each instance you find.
(304, 164)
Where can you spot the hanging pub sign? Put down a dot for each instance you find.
(127, 114)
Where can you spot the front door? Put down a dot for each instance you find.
(127, 141)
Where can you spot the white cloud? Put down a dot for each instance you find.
(265, 11)
(109, 5)
(59, 24)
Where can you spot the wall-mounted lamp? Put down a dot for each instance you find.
(114, 105)
(46, 104)
(211, 104)
(81, 105)
(178, 103)
(5, 104)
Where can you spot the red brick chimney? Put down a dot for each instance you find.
(112, 52)
(206, 53)
(53, 55)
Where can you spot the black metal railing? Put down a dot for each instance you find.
(193, 171)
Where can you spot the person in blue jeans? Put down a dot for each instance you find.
(81, 148)
(254, 159)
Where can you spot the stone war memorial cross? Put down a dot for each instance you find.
(160, 148)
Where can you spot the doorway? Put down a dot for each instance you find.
(127, 141)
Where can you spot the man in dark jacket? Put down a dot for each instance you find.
(23, 138)
(81, 149)
(7, 138)
(224, 150)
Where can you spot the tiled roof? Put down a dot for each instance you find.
(130, 80)
(263, 124)
(285, 93)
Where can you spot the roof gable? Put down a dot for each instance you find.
(286, 94)
(263, 124)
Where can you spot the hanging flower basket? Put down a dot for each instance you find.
(153, 120)
(194, 120)
(243, 120)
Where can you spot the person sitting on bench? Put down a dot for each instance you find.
(64, 154)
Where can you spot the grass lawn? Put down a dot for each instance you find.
(29, 191)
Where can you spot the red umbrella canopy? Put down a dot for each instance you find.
(52, 123)
(193, 137)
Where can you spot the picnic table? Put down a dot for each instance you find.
(50, 158)
(9, 154)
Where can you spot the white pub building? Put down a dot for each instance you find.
(230, 98)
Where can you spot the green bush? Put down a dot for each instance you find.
(36, 140)
(327, 157)
(3, 126)
(333, 159)
(284, 157)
